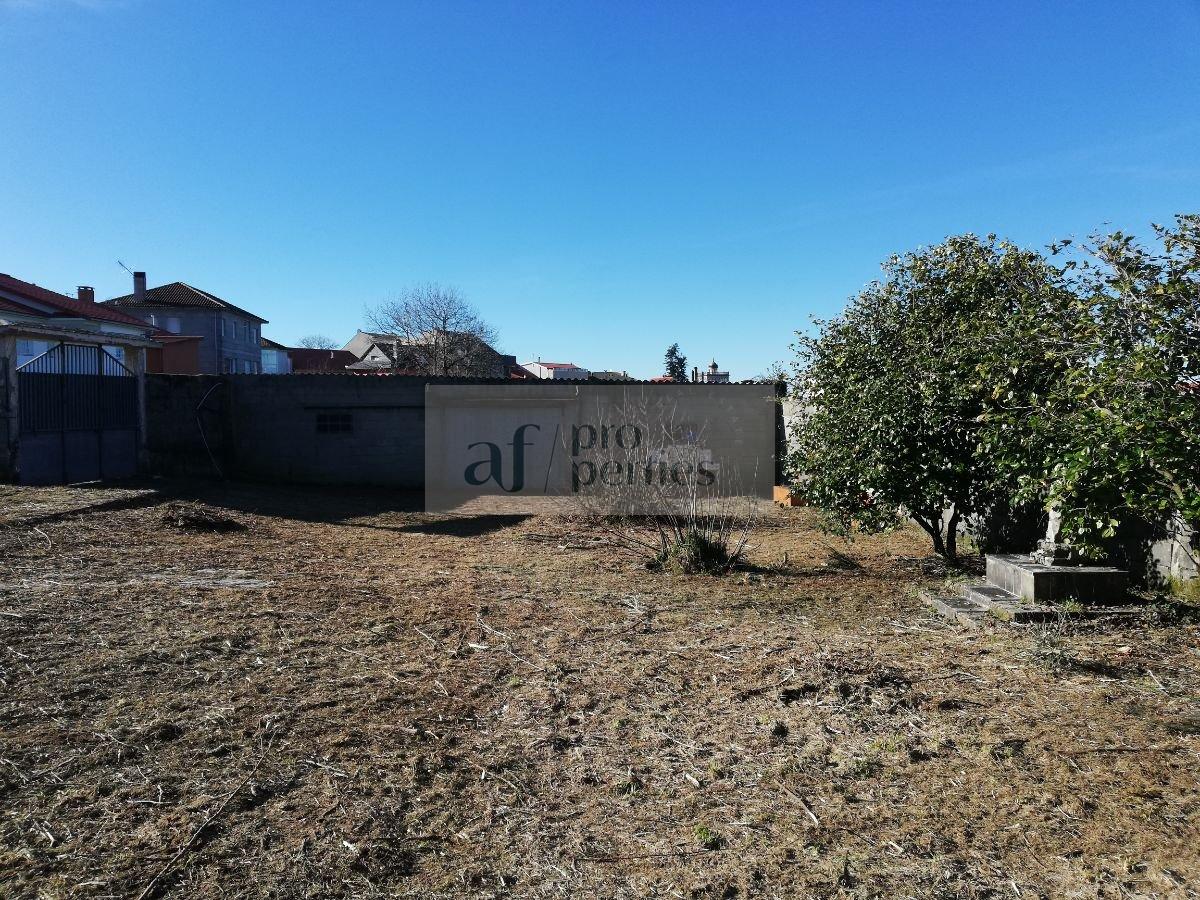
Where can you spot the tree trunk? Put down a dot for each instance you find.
(951, 542)
(933, 527)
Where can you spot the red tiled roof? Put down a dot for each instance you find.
(62, 304)
(179, 294)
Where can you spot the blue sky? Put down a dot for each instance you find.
(600, 179)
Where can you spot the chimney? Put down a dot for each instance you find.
(139, 287)
(85, 293)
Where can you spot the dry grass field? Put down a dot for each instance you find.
(345, 697)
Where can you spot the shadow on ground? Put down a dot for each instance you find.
(306, 503)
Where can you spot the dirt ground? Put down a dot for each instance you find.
(349, 698)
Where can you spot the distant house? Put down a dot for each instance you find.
(36, 318)
(278, 359)
(229, 335)
(556, 370)
(305, 359)
(275, 358)
(610, 375)
(377, 353)
(373, 348)
(520, 373)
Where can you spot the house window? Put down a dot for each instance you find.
(229, 370)
(30, 350)
(335, 423)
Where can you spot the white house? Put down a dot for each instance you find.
(553, 370)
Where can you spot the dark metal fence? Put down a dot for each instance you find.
(76, 387)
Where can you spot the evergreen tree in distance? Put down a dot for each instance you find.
(675, 364)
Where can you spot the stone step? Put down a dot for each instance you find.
(1005, 605)
(1040, 584)
(955, 608)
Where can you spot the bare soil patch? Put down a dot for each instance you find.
(348, 698)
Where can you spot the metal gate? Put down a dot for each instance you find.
(78, 416)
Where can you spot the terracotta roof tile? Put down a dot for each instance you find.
(61, 303)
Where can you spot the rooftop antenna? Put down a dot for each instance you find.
(125, 267)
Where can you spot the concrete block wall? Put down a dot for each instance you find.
(270, 427)
(183, 412)
(275, 429)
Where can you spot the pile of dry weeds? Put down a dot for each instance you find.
(197, 517)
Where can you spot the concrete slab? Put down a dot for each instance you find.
(955, 608)
(1036, 583)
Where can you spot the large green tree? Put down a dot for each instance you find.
(1114, 438)
(891, 395)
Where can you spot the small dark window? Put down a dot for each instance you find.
(335, 423)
